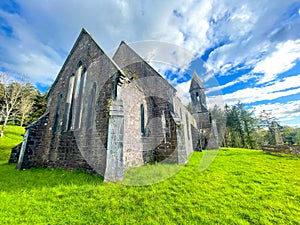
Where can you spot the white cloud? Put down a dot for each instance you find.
(251, 38)
(183, 92)
(164, 56)
(262, 35)
(288, 86)
(24, 54)
(244, 78)
(279, 61)
(249, 31)
(287, 113)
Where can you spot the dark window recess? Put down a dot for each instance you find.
(142, 120)
(91, 108)
(187, 126)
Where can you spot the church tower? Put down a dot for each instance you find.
(197, 92)
(205, 138)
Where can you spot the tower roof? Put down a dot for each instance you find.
(196, 82)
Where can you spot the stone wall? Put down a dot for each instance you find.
(73, 135)
(78, 130)
(133, 137)
(282, 148)
(37, 144)
(159, 140)
(15, 153)
(189, 125)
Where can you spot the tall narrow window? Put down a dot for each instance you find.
(197, 97)
(180, 113)
(91, 108)
(74, 101)
(56, 116)
(187, 126)
(68, 102)
(164, 125)
(80, 98)
(142, 120)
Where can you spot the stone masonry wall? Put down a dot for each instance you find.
(188, 122)
(94, 116)
(36, 145)
(132, 142)
(159, 141)
(82, 146)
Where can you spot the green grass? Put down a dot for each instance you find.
(12, 137)
(239, 187)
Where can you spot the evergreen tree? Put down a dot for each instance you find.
(39, 107)
(241, 127)
(218, 115)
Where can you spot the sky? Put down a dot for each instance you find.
(247, 51)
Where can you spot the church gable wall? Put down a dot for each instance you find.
(77, 106)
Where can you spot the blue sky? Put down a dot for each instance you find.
(246, 51)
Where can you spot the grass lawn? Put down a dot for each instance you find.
(239, 187)
(12, 137)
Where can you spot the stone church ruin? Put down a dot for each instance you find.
(106, 115)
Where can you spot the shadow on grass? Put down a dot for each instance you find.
(12, 180)
(282, 155)
(150, 174)
(10, 134)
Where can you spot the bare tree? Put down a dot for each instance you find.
(26, 102)
(10, 93)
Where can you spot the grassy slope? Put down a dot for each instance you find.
(12, 137)
(239, 187)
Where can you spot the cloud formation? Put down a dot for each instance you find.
(230, 36)
(288, 86)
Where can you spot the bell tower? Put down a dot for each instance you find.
(205, 138)
(197, 92)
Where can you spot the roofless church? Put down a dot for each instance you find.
(106, 115)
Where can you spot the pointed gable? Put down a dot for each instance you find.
(196, 82)
(84, 33)
(130, 61)
(87, 50)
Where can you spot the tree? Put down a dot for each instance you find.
(26, 102)
(11, 92)
(268, 121)
(241, 127)
(39, 107)
(249, 126)
(234, 134)
(265, 118)
(218, 115)
(291, 135)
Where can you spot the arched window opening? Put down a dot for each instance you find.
(74, 102)
(69, 98)
(164, 125)
(187, 126)
(91, 107)
(197, 97)
(180, 113)
(142, 120)
(79, 109)
(57, 113)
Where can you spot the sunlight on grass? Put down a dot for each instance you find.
(239, 187)
(12, 137)
(150, 174)
(207, 159)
